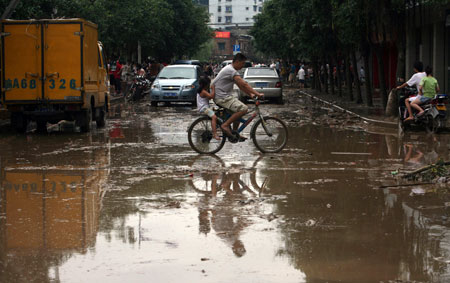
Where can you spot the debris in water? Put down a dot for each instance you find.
(417, 192)
(269, 217)
(351, 153)
(173, 204)
(328, 205)
(394, 173)
(310, 223)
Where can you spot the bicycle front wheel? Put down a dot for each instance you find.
(270, 136)
(200, 136)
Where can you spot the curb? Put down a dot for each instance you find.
(368, 120)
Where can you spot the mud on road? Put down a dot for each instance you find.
(133, 202)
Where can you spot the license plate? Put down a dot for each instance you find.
(441, 107)
(170, 94)
(260, 84)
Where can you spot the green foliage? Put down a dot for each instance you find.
(205, 51)
(164, 28)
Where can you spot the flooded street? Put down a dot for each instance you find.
(134, 203)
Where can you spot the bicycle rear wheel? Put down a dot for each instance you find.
(271, 136)
(200, 136)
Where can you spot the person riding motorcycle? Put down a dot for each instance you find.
(427, 90)
(413, 81)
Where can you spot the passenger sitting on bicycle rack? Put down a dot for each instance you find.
(203, 97)
(223, 85)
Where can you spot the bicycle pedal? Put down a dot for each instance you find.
(242, 139)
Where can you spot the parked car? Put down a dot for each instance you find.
(264, 80)
(187, 62)
(176, 83)
(228, 62)
(221, 66)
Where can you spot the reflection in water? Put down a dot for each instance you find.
(365, 235)
(49, 211)
(221, 213)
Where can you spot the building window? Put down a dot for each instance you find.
(219, 19)
(228, 9)
(219, 8)
(246, 8)
(228, 0)
(260, 9)
(221, 46)
(228, 19)
(254, 8)
(247, 19)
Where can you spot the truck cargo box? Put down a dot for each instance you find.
(53, 70)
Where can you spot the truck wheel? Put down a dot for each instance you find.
(101, 118)
(154, 103)
(19, 122)
(84, 120)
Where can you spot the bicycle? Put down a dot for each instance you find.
(269, 134)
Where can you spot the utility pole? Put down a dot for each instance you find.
(10, 9)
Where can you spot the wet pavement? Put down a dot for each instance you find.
(133, 202)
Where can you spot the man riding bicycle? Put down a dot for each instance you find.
(223, 85)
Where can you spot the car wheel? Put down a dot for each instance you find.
(279, 100)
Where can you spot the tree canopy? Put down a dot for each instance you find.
(164, 28)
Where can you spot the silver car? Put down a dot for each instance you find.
(176, 83)
(266, 81)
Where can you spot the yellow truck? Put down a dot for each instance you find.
(53, 70)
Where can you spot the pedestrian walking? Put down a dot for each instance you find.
(362, 75)
(117, 77)
(301, 77)
(291, 73)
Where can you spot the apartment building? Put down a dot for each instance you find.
(225, 14)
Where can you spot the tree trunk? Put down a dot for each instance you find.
(383, 91)
(356, 76)
(348, 79)
(368, 76)
(330, 73)
(325, 76)
(316, 82)
(338, 75)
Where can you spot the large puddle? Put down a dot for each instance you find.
(134, 203)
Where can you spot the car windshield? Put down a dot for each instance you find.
(177, 73)
(261, 72)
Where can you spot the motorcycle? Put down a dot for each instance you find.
(435, 112)
(139, 88)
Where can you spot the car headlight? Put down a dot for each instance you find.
(155, 86)
(189, 87)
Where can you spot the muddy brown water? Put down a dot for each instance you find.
(132, 202)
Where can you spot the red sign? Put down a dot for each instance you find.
(222, 34)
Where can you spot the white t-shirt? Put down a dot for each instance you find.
(224, 81)
(301, 74)
(415, 79)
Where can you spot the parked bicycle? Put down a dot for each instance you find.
(269, 134)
